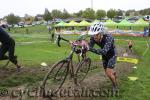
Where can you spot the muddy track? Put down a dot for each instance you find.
(93, 81)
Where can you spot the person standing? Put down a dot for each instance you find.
(52, 32)
(130, 45)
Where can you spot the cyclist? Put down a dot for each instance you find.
(8, 45)
(107, 50)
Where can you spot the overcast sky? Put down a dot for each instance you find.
(33, 7)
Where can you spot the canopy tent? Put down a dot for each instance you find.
(60, 24)
(72, 23)
(124, 23)
(95, 21)
(110, 23)
(141, 22)
(84, 23)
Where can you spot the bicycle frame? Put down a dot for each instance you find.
(68, 68)
(69, 58)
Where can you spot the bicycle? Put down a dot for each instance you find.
(3, 62)
(59, 71)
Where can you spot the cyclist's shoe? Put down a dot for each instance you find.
(19, 67)
(115, 91)
(4, 57)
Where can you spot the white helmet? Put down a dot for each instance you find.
(96, 28)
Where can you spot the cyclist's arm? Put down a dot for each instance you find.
(92, 43)
(107, 47)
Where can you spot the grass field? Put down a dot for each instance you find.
(140, 89)
(34, 48)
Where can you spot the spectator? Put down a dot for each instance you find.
(52, 32)
(130, 45)
(49, 28)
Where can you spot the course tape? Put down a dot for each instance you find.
(129, 60)
(125, 59)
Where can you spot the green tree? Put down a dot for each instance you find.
(127, 14)
(145, 11)
(78, 14)
(141, 12)
(89, 13)
(35, 18)
(47, 15)
(12, 19)
(136, 13)
(129, 11)
(100, 14)
(56, 13)
(65, 14)
(119, 12)
(111, 13)
(148, 12)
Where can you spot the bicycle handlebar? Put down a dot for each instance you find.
(59, 38)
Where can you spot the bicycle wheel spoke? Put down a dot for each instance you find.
(83, 69)
(60, 73)
(56, 76)
(57, 73)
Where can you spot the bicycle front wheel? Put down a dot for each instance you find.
(82, 70)
(56, 76)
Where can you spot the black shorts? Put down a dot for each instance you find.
(130, 46)
(109, 63)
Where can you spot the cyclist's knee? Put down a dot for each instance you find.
(109, 72)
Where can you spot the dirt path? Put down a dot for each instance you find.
(95, 81)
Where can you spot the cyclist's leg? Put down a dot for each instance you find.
(109, 70)
(11, 51)
(52, 37)
(111, 75)
(112, 63)
(130, 48)
(3, 50)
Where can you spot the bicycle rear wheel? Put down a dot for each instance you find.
(82, 70)
(56, 76)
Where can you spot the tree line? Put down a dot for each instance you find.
(87, 13)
